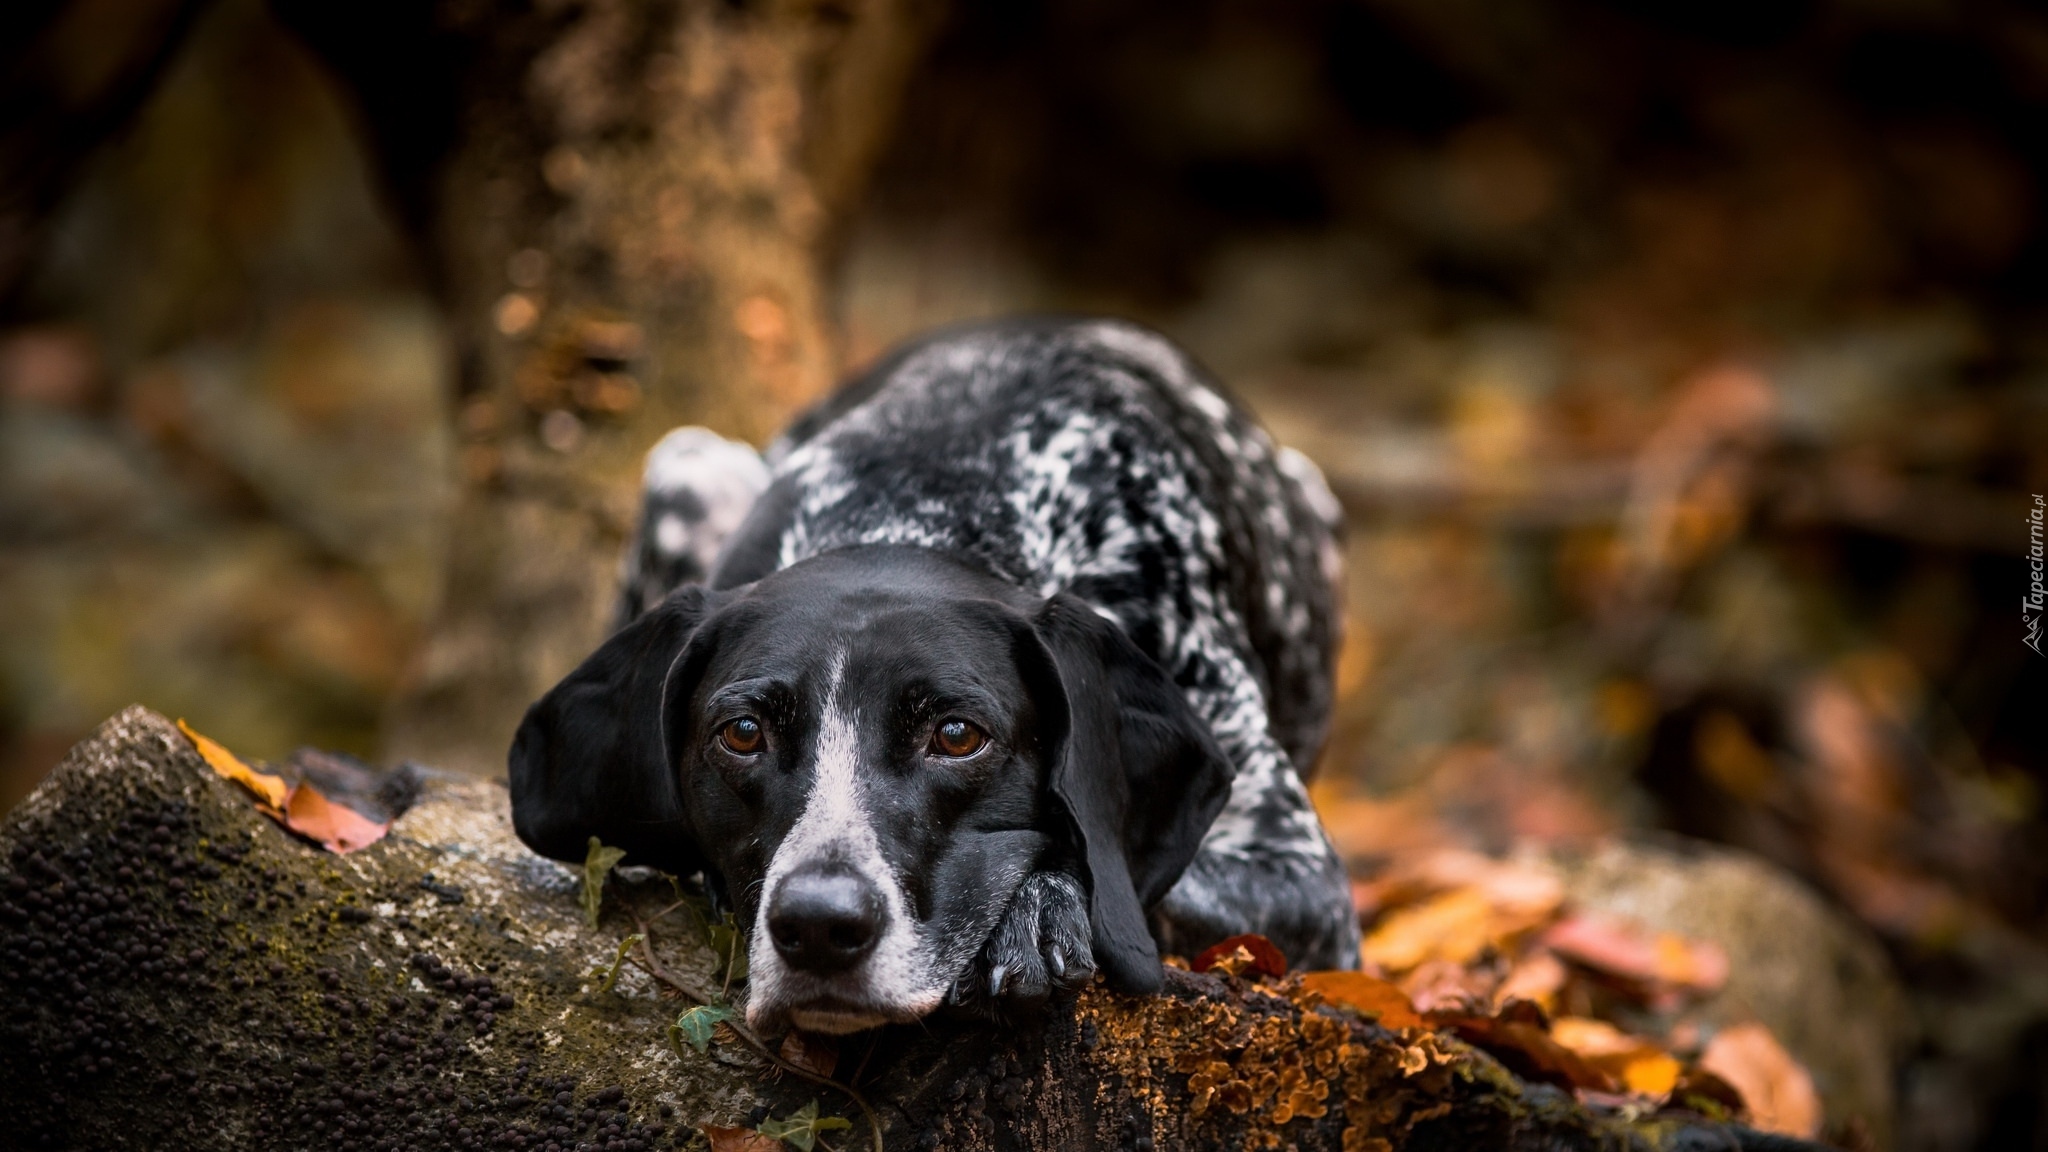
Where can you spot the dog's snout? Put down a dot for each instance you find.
(826, 921)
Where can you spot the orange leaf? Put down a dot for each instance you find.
(1651, 1073)
(1637, 1062)
(739, 1140)
(1368, 994)
(1260, 956)
(336, 826)
(1695, 964)
(1634, 954)
(1779, 1093)
(1537, 978)
(1593, 1039)
(1456, 926)
(269, 790)
(1436, 984)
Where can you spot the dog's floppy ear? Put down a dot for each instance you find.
(592, 758)
(1139, 774)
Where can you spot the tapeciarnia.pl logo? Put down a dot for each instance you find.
(2037, 594)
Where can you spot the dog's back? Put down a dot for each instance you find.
(1092, 458)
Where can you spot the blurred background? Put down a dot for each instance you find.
(1682, 368)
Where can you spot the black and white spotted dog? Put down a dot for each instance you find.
(1011, 671)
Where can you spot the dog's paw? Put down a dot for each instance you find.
(1040, 947)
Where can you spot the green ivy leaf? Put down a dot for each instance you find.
(800, 1128)
(597, 864)
(698, 1024)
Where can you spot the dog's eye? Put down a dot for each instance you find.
(958, 738)
(742, 737)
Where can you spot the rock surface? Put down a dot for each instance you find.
(180, 972)
(1819, 981)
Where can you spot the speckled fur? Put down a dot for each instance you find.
(1095, 458)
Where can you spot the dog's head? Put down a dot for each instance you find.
(867, 753)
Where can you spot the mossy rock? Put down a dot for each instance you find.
(181, 972)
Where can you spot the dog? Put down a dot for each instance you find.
(1007, 667)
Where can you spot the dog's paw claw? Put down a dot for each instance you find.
(1041, 946)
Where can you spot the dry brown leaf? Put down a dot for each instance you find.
(1632, 954)
(1702, 1091)
(739, 1140)
(1367, 994)
(1250, 954)
(1452, 926)
(270, 791)
(1527, 1050)
(1776, 1089)
(1435, 984)
(336, 826)
(1457, 926)
(299, 807)
(1639, 1063)
(1524, 885)
(811, 1052)
(1537, 977)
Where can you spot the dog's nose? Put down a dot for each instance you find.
(825, 921)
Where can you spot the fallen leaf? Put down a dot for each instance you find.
(1258, 956)
(1651, 1073)
(1366, 994)
(1777, 1091)
(810, 1052)
(1369, 898)
(1528, 886)
(800, 1128)
(1639, 1063)
(739, 1140)
(1527, 1050)
(336, 826)
(597, 864)
(1537, 977)
(300, 807)
(697, 1025)
(1593, 1039)
(1457, 926)
(1705, 1093)
(269, 790)
(1632, 954)
(1435, 984)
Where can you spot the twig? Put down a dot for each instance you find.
(863, 1065)
(866, 1109)
(655, 969)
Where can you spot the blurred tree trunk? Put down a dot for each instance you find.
(71, 75)
(626, 206)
